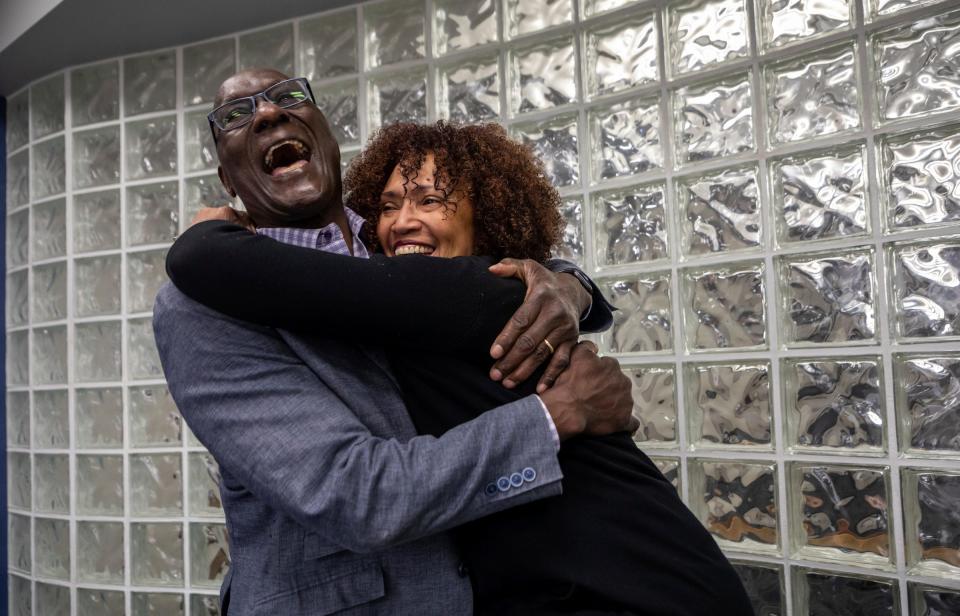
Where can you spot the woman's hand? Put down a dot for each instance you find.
(226, 213)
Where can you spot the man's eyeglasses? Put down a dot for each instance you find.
(239, 111)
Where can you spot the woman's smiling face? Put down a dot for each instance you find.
(417, 218)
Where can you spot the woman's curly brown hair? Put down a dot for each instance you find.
(516, 210)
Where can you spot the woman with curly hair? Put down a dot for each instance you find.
(619, 540)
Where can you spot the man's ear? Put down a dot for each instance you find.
(225, 180)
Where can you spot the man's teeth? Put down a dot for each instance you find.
(412, 249)
(299, 147)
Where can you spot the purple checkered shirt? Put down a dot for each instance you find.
(327, 239)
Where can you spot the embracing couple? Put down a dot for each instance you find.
(399, 433)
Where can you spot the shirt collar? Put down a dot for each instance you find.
(328, 238)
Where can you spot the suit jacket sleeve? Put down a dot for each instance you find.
(271, 421)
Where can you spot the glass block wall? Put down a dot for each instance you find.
(769, 190)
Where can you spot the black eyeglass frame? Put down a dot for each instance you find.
(253, 99)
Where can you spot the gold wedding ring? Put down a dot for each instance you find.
(549, 346)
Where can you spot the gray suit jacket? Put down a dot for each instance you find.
(333, 504)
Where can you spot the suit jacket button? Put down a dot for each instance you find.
(516, 480)
(462, 570)
(491, 489)
(529, 474)
(503, 484)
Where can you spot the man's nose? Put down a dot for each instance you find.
(268, 115)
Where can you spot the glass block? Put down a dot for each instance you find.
(888, 7)
(18, 358)
(328, 45)
(921, 178)
(97, 285)
(714, 120)
(729, 404)
(205, 67)
(670, 469)
(204, 491)
(18, 298)
(99, 485)
(49, 229)
(625, 139)
(524, 16)
(18, 120)
(720, 212)
(925, 283)
(151, 148)
(205, 605)
(926, 600)
(821, 196)
(395, 32)
(50, 355)
(50, 292)
(200, 192)
(654, 404)
(398, 98)
(928, 402)
(460, 24)
(96, 157)
(51, 420)
(737, 502)
(150, 82)
(95, 93)
(630, 225)
(543, 76)
(152, 213)
(49, 168)
(199, 151)
(143, 361)
(339, 105)
(145, 274)
(823, 593)
(931, 532)
(834, 406)
(706, 32)
(157, 604)
(918, 68)
(764, 586)
(18, 418)
(99, 418)
(787, 22)
(51, 483)
(96, 221)
(21, 596)
(828, 297)
(100, 552)
(725, 307)
(156, 484)
(98, 602)
(154, 419)
(53, 600)
(98, 351)
(571, 244)
(18, 238)
(642, 322)
(813, 97)
(46, 106)
(272, 47)
(157, 554)
(19, 480)
(18, 180)
(470, 91)
(209, 554)
(18, 554)
(621, 56)
(52, 550)
(554, 142)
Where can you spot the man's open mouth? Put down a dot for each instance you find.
(286, 156)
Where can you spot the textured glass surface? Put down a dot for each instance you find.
(642, 322)
(204, 480)
(272, 48)
(50, 292)
(96, 157)
(154, 419)
(813, 97)
(705, 32)
(525, 16)
(209, 554)
(49, 229)
(786, 21)
(151, 148)
(470, 91)
(53, 600)
(933, 601)
(737, 502)
(18, 298)
(156, 603)
(98, 351)
(888, 7)
(204, 605)
(99, 485)
(18, 120)
(18, 179)
(398, 98)
(21, 598)
(49, 353)
(48, 175)
(543, 76)
(764, 586)
(926, 284)
(19, 480)
(930, 527)
(459, 24)
(821, 594)
(720, 212)
(821, 196)
(95, 93)
(156, 484)
(143, 361)
(328, 45)
(928, 401)
(654, 403)
(621, 56)
(394, 32)
(19, 558)
(18, 358)
(571, 244)
(18, 419)
(339, 105)
(157, 554)
(100, 552)
(152, 213)
(921, 178)
(51, 423)
(555, 143)
(919, 68)
(714, 120)
(145, 274)
(18, 238)
(97, 286)
(99, 415)
(150, 82)
(630, 225)
(51, 484)
(98, 602)
(725, 307)
(625, 139)
(199, 151)
(828, 297)
(205, 67)
(46, 107)
(200, 192)
(670, 469)
(729, 404)
(96, 221)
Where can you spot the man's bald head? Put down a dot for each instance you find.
(224, 92)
